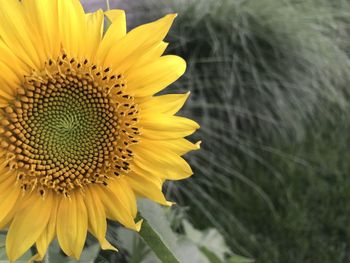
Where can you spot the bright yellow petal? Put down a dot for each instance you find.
(72, 27)
(137, 42)
(94, 25)
(12, 70)
(148, 186)
(179, 146)
(115, 209)
(9, 81)
(9, 58)
(149, 56)
(161, 162)
(117, 29)
(49, 232)
(17, 34)
(162, 127)
(7, 180)
(28, 224)
(125, 194)
(97, 218)
(154, 77)
(43, 16)
(9, 194)
(115, 32)
(166, 104)
(72, 224)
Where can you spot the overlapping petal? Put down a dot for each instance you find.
(28, 224)
(97, 218)
(128, 49)
(72, 224)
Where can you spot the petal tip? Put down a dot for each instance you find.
(138, 225)
(171, 16)
(196, 125)
(105, 245)
(171, 203)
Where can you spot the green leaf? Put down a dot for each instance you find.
(240, 259)
(190, 253)
(182, 248)
(138, 250)
(209, 241)
(157, 244)
(156, 231)
(156, 218)
(211, 255)
(212, 245)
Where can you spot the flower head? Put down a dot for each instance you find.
(82, 134)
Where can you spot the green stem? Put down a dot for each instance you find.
(107, 4)
(154, 241)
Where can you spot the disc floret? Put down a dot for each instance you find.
(70, 125)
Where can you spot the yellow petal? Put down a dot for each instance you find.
(118, 27)
(149, 56)
(17, 34)
(125, 194)
(161, 127)
(9, 82)
(147, 186)
(28, 224)
(49, 232)
(115, 32)
(126, 51)
(166, 104)
(115, 209)
(9, 58)
(179, 146)
(7, 181)
(97, 218)
(72, 27)
(153, 77)
(9, 194)
(94, 25)
(12, 70)
(72, 224)
(43, 16)
(161, 162)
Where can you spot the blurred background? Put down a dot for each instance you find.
(269, 82)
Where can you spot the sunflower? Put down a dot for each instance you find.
(82, 134)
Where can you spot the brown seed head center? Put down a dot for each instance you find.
(69, 126)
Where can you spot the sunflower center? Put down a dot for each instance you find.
(70, 125)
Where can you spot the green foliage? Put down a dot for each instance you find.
(269, 87)
(157, 233)
(311, 201)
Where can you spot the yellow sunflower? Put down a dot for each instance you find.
(82, 134)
